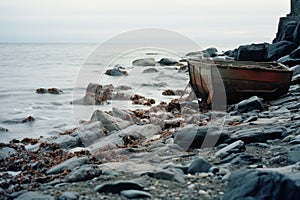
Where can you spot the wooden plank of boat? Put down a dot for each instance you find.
(238, 80)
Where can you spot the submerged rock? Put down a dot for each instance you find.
(28, 119)
(259, 185)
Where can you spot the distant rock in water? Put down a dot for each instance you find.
(168, 93)
(168, 61)
(118, 70)
(144, 62)
(2, 129)
(49, 90)
(96, 94)
(150, 70)
(28, 119)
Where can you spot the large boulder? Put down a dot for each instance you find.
(252, 52)
(286, 29)
(211, 52)
(144, 62)
(287, 60)
(261, 185)
(279, 49)
(247, 105)
(168, 61)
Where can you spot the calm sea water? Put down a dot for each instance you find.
(26, 67)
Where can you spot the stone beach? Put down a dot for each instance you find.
(168, 149)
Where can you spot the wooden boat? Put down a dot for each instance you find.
(235, 80)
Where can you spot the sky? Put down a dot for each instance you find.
(211, 22)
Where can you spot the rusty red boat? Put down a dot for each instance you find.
(238, 80)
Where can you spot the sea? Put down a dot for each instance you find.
(70, 68)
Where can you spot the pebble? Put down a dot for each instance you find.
(199, 165)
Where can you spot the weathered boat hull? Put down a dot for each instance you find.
(238, 80)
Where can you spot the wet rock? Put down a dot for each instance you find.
(295, 54)
(235, 147)
(173, 123)
(68, 164)
(116, 72)
(65, 141)
(253, 103)
(109, 122)
(192, 136)
(123, 114)
(253, 52)
(6, 152)
(144, 62)
(2, 129)
(83, 173)
(90, 133)
(41, 90)
(293, 154)
(279, 49)
(54, 91)
(168, 93)
(253, 184)
(69, 196)
(118, 186)
(139, 133)
(28, 119)
(34, 196)
(135, 194)
(168, 175)
(141, 100)
(168, 61)
(150, 70)
(198, 166)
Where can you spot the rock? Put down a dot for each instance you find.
(109, 122)
(41, 91)
(253, 52)
(168, 61)
(118, 186)
(2, 129)
(135, 194)
(235, 147)
(150, 70)
(54, 91)
(69, 196)
(198, 166)
(296, 70)
(6, 152)
(253, 103)
(293, 154)
(253, 184)
(241, 159)
(122, 87)
(173, 123)
(254, 135)
(140, 133)
(28, 119)
(279, 49)
(65, 141)
(168, 175)
(211, 52)
(286, 29)
(283, 100)
(34, 196)
(168, 93)
(83, 173)
(287, 60)
(192, 136)
(144, 62)
(68, 164)
(295, 54)
(295, 80)
(90, 133)
(96, 94)
(116, 72)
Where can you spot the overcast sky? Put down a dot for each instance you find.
(214, 22)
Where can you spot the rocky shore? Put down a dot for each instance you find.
(169, 149)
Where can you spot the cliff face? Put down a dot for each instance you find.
(289, 26)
